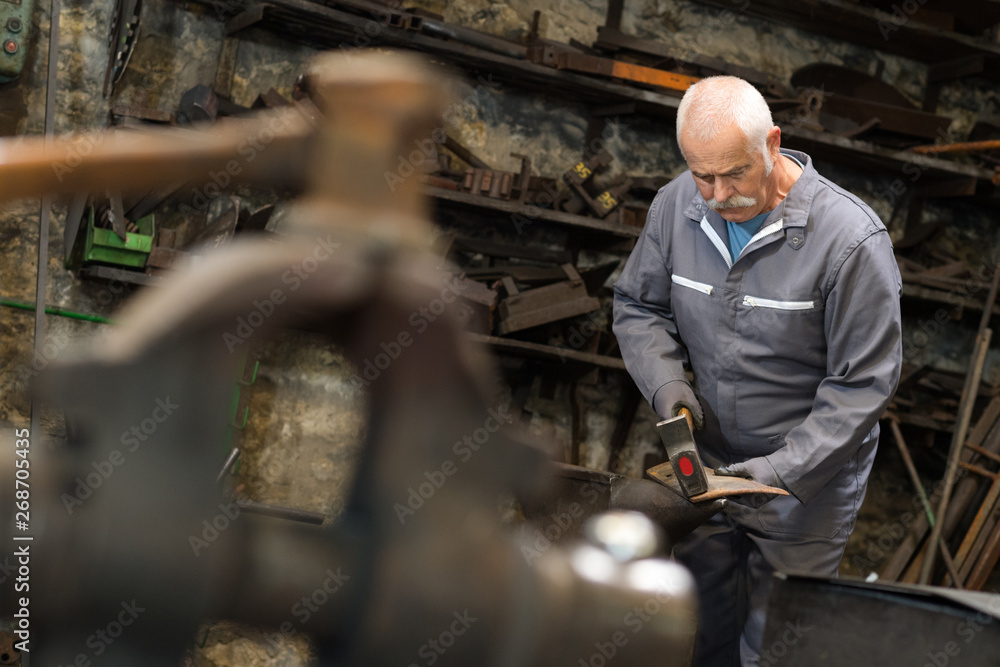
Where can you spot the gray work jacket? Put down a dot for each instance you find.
(795, 346)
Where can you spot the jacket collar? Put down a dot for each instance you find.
(793, 210)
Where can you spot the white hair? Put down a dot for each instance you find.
(718, 102)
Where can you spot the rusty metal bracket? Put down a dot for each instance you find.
(531, 308)
(499, 184)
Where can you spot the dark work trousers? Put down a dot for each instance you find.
(733, 558)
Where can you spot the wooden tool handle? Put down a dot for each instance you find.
(687, 414)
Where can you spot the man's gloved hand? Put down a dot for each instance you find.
(759, 470)
(671, 397)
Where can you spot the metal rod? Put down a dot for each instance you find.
(958, 437)
(983, 452)
(968, 400)
(984, 434)
(978, 523)
(979, 470)
(963, 147)
(984, 320)
(464, 153)
(43, 216)
(229, 462)
(950, 565)
(473, 38)
(290, 513)
(55, 310)
(904, 451)
(987, 560)
(925, 501)
(614, 15)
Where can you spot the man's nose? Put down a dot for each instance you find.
(723, 190)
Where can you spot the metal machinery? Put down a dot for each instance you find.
(440, 584)
(16, 18)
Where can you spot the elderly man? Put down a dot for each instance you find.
(779, 291)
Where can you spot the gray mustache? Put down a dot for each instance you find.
(736, 201)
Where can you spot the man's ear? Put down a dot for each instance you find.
(774, 141)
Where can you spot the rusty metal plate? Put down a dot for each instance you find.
(719, 486)
(845, 81)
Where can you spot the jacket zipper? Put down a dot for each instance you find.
(758, 302)
(693, 284)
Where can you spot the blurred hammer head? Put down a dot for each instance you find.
(683, 454)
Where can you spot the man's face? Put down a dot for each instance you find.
(732, 179)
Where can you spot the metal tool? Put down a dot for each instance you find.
(675, 433)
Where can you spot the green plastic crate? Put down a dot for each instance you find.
(103, 245)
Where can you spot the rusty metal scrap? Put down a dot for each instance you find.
(463, 153)
(582, 198)
(569, 58)
(803, 110)
(331, 12)
(686, 62)
(531, 308)
(270, 99)
(963, 147)
(499, 184)
(580, 176)
(121, 111)
(974, 546)
(855, 102)
(905, 563)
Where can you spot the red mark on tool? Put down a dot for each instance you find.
(686, 466)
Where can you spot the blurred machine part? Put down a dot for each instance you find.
(418, 567)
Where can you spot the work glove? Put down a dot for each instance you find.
(759, 470)
(671, 397)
